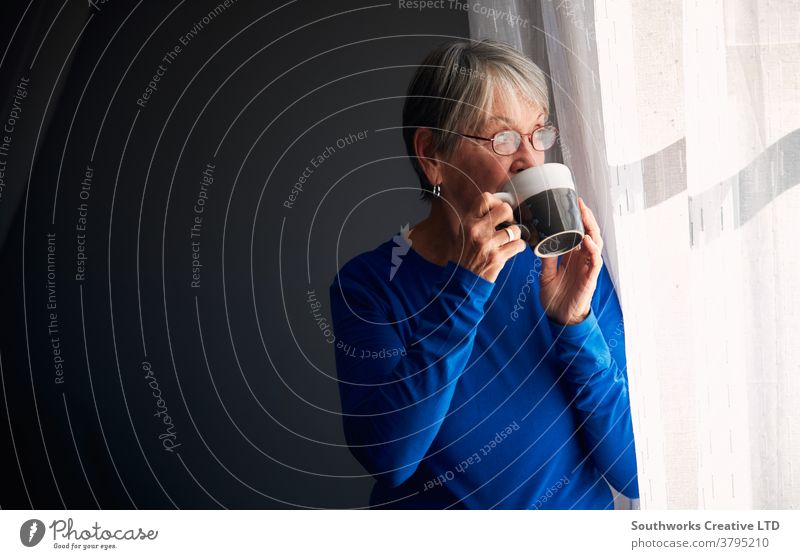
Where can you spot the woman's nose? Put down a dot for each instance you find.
(525, 156)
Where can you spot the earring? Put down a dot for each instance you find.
(437, 190)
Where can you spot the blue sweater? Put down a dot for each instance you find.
(461, 393)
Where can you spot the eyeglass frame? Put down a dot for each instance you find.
(521, 137)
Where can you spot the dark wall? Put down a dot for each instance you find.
(100, 316)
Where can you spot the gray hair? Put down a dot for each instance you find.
(452, 90)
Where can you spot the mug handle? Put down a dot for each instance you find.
(507, 197)
(511, 200)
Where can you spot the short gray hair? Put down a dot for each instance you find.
(452, 90)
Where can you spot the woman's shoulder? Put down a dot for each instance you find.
(367, 267)
(367, 281)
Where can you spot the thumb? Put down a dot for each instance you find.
(549, 266)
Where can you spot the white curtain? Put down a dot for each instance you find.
(681, 123)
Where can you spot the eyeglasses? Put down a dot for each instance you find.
(507, 142)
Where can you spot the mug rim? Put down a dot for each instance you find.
(540, 180)
(552, 254)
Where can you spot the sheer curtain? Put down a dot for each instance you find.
(681, 123)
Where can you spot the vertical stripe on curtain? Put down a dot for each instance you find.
(681, 123)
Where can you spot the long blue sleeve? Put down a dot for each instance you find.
(396, 390)
(593, 354)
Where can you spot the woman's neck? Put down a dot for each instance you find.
(432, 238)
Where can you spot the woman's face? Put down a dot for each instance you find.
(475, 168)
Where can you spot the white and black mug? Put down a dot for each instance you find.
(546, 208)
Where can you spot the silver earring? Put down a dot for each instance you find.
(437, 190)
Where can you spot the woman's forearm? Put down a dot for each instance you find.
(599, 389)
(393, 407)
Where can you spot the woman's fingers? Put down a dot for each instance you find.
(595, 258)
(549, 267)
(507, 235)
(485, 204)
(493, 209)
(590, 223)
(501, 213)
(507, 243)
(509, 249)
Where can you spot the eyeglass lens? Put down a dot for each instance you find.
(507, 142)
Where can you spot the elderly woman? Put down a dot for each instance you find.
(472, 373)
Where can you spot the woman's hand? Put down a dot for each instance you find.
(485, 250)
(566, 292)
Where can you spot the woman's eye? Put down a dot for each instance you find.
(508, 138)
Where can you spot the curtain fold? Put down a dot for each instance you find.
(681, 124)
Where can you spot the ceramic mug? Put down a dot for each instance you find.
(545, 208)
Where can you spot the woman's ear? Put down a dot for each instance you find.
(423, 147)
